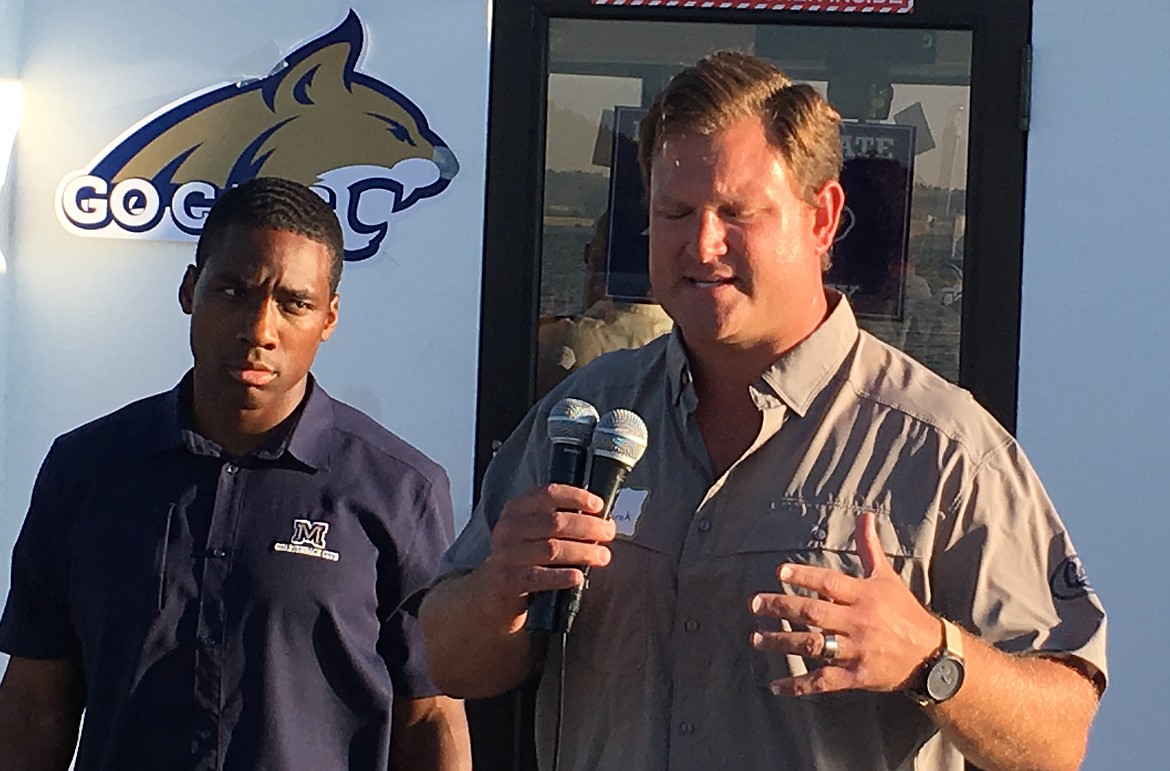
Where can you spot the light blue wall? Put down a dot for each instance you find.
(10, 27)
(89, 324)
(1095, 362)
(94, 323)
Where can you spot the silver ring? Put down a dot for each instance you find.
(831, 647)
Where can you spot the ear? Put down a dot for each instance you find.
(187, 289)
(310, 80)
(331, 317)
(829, 202)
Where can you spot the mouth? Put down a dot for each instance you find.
(710, 283)
(255, 375)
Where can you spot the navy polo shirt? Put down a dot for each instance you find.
(231, 613)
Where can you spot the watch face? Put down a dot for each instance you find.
(944, 678)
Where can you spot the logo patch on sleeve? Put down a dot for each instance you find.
(1069, 581)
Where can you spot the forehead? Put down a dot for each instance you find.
(260, 251)
(736, 158)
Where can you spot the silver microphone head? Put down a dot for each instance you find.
(621, 435)
(571, 421)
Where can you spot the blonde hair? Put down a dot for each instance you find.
(728, 86)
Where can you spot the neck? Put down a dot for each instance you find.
(239, 429)
(724, 371)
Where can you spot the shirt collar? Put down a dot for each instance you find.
(309, 438)
(796, 377)
(800, 374)
(164, 431)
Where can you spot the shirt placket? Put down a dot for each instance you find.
(210, 639)
(692, 626)
(691, 744)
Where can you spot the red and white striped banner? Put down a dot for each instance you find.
(824, 6)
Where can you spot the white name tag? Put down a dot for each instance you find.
(627, 508)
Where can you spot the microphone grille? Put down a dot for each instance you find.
(621, 435)
(571, 421)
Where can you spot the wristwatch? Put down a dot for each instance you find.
(941, 675)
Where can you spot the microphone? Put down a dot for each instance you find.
(619, 440)
(570, 425)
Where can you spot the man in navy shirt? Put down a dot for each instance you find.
(219, 574)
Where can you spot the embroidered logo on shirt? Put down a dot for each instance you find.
(308, 538)
(1069, 580)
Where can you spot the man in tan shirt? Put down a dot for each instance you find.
(828, 558)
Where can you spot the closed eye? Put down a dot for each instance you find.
(672, 213)
(738, 213)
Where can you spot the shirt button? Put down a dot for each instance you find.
(685, 728)
(704, 525)
(218, 553)
(205, 733)
(231, 468)
(820, 534)
(692, 625)
(209, 641)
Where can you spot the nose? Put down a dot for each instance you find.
(710, 241)
(259, 329)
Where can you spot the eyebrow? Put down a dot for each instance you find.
(295, 294)
(233, 278)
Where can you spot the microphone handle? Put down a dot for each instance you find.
(605, 479)
(566, 466)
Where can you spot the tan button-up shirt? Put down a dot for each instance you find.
(660, 671)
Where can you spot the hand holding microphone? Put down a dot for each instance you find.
(547, 537)
(617, 442)
(570, 427)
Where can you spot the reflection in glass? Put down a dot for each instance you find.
(887, 82)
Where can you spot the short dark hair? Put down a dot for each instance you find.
(728, 86)
(276, 204)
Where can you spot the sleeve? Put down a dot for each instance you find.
(1007, 570)
(516, 468)
(401, 643)
(36, 621)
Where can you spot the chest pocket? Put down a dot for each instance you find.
(611, 629)
(821, 535)
(118, 563)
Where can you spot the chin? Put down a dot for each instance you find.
(706, 327)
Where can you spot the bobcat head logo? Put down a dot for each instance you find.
(362, 145)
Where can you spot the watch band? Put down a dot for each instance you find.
(952, 639)
(946, 663)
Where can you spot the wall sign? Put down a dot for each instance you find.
(361, 145)
(627, 275)
(869, 260)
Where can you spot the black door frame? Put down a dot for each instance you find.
(993, 247)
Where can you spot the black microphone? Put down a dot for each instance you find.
(619, 440)
(570, 425)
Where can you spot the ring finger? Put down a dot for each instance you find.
(830, 647)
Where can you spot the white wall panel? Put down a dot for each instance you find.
(1093, 415)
